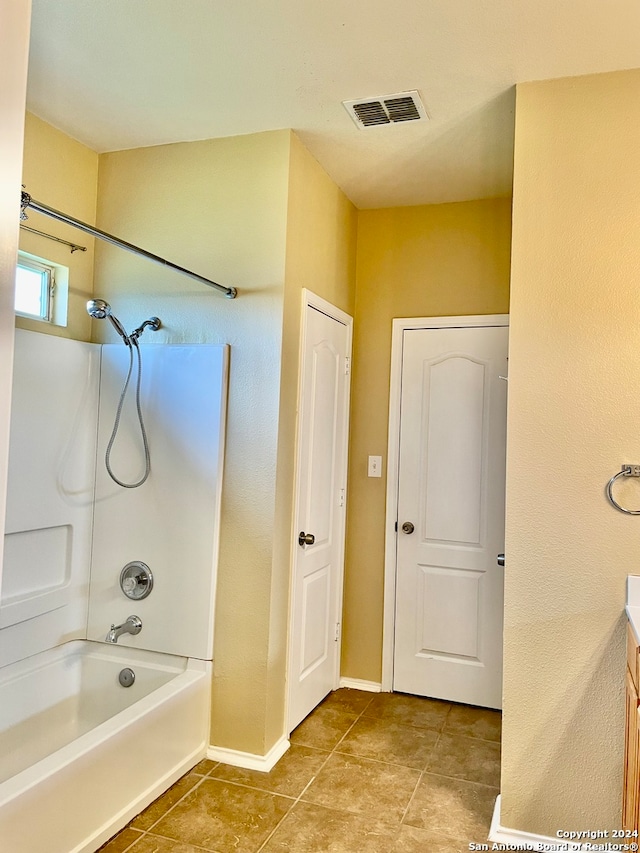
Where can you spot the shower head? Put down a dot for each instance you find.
(99, 310)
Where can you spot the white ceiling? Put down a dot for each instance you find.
(127, 73)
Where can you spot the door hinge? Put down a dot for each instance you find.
(337, 634)
(341, 498)
(347, 365)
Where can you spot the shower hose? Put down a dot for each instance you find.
(147, 457)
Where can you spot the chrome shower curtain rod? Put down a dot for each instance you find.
(26, 201)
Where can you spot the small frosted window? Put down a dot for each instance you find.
(34, 289)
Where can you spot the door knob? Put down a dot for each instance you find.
(408, 527)
(500, 559)
(306, 539)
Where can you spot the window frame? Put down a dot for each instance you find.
(48, 286)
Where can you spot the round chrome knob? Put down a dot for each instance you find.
(306, 539)
(408, 527)
(136, 580)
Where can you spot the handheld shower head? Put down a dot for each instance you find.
(99, 310)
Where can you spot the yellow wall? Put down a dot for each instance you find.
(321, 236)
(217, 207)
(574, 415)
(435, 260)
(320, 256)
(63, 174)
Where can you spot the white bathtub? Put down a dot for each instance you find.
(80, 755)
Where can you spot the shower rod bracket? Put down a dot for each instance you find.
(26, 201)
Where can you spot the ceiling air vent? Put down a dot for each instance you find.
(389, 109)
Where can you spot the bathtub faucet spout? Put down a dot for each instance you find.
(133, 625)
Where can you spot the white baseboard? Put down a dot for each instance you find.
(359, 684)
(248, 760)
(513, 839)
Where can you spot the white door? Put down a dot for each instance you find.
(320, 508)
(449, 588)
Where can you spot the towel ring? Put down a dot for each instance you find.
(627, 471)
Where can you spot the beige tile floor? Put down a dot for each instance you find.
(366, 773)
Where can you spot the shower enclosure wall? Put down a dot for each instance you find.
(78, 749)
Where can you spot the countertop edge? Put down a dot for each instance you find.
(633, 604)
(633, 615)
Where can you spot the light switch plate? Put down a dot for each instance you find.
(375, 466)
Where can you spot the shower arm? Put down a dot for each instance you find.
(26, 201)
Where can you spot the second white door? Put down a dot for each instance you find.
(449, 589)
(320, 509)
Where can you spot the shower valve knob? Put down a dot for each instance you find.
(129, 585)
(136, 580)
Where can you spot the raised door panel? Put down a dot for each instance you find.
(454, 431)
(323, 421)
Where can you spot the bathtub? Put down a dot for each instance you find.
(80, 755)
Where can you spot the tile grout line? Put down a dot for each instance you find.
(196, 847)
(423, 771)
(331, 752)
(293, 805)
(149, 830)
(174, 841)
(248, 787)
(143, 832)
(462, 779)
(357, 718)
(448, 732)
(336, 751)
(471, 737)
(459, 778)
(163, 815)
(411, 798)
(294, 800)
(387, 760)
(362, 714)
(130, 847)
(379, 761)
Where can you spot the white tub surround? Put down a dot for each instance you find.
(95, 753)
(56, 585)
(47, 545)
(78, 751)
(171, 522)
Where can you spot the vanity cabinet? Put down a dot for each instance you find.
(631, 788)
